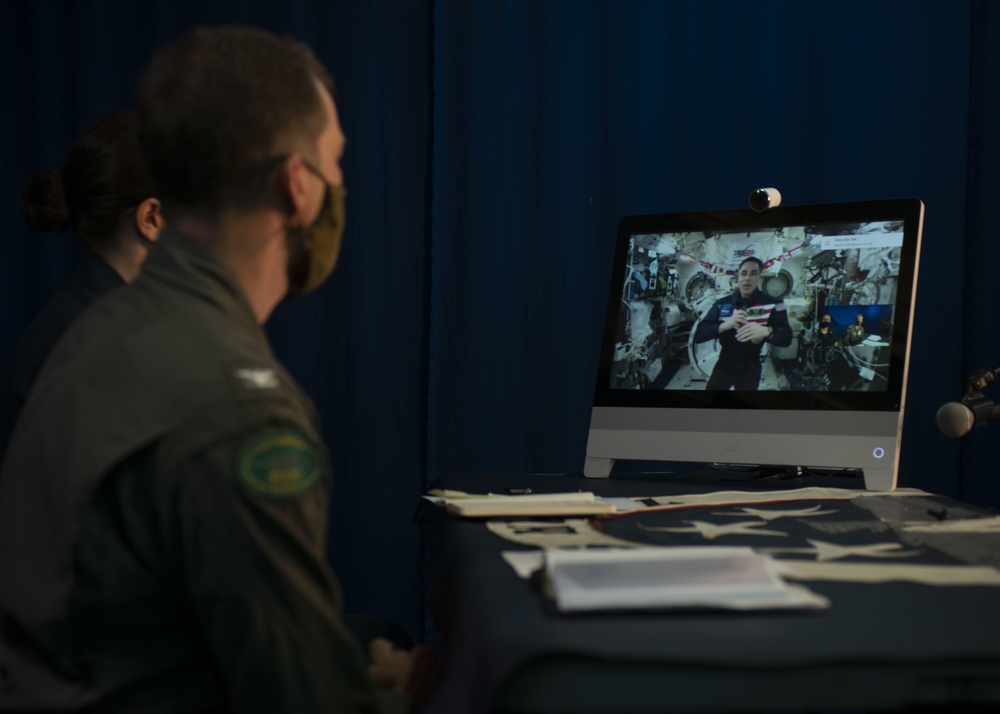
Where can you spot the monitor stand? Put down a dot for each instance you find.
(597, 467)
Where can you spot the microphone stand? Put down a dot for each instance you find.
(981, 407)
(982, 378)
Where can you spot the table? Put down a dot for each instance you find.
(887, 646)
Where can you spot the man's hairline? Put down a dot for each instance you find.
(288, 145)
(750, 259)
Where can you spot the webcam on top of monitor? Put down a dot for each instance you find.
(762, 199)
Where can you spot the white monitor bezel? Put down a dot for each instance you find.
(851, 430)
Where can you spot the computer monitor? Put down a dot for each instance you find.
(697, 367)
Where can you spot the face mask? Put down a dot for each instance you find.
(314, 250)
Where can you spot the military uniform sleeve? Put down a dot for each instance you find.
(247, 528)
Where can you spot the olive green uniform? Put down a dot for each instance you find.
(163, 510)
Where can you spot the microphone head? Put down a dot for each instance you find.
(955, 419)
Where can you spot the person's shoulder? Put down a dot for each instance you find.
(192, 358)
(63, 308)
(762, 298)
(179, 356)
(777, 305)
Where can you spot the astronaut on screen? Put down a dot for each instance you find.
(743, 322)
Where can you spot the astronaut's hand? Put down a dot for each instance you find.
(753, 332)
(735, 321)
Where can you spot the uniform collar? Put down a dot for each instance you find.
(94, 276)
(754, 296)
(185, 264)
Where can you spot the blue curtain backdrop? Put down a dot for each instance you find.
(553, 119)
(493, 146)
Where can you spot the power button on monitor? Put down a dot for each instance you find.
(879, 452)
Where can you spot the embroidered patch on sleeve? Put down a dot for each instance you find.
(280, 464)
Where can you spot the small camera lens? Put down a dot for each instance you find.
(764, 198)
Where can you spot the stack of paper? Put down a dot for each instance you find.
(541, 504)
(671, 578)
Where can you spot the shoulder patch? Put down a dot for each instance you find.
(280, 464)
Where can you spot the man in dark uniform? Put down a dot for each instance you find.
(743, 322)
(163, 502)
(855, 334)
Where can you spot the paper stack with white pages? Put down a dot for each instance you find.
(577, 503)
(685, 577)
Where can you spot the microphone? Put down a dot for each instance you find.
(956, 419)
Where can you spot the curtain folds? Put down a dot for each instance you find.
(553, 119)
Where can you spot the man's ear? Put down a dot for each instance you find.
(148, 219)
(292, 187)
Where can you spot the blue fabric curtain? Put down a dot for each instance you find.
(979, 475)
(493, 146)
(552, 119)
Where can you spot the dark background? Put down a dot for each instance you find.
(492, 148)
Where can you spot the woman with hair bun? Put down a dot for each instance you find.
(106, 196)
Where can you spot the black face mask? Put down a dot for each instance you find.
(313, 251)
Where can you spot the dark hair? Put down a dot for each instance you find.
(758, 261)
(103, 179)
(220, 107)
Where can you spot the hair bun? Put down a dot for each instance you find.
(44, 203)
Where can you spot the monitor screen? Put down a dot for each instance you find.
(777, 337)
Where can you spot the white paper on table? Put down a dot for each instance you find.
(524, 562)
(670, 578)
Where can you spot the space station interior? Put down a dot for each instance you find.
(849, 272)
